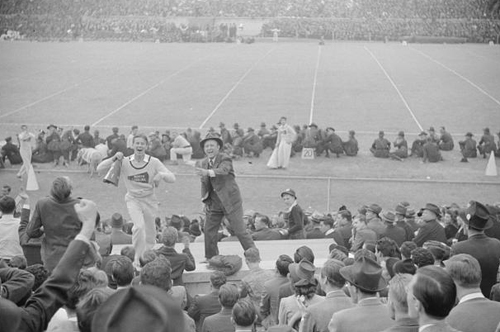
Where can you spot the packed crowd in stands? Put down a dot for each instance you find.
(61, 147)
(387, 267)
(125, 20)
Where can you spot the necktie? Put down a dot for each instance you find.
(210, 163)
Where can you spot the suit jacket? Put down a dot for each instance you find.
(204, 306)
(179, 262)
(487, 251)
(289, 306)
(377, 226)
(478, 314)
(336, 235)
(224, 183)
(315, 233)
(120, 237)
(266, 234)
(432, 230)
(16, 284)
(51, 296)
(404, 325)
(269, 303)
(396, 233)
(318, 315)
(369, 315)
(362, 236)
(220, 322)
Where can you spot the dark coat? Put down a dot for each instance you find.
(178, 262)
(266, 234)
(487, 251)
(204, 306)
(432, 230)
(475, 315)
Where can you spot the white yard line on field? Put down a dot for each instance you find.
(311, 113)
(457, 74)
(395, 88)
(234, 87)
(43, 99)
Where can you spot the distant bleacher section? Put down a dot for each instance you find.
(225, 20)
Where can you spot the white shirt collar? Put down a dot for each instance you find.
(423, 327)
(291, 206)
(471, 296)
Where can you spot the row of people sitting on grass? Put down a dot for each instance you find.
(61, 146)
(380, 287)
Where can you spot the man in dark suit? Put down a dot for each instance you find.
(485, 249)
(221, 322)
(118, 236)
(262, 230)
(474, 312)
(431, 230)
(269, 303)
(221, 195)
(431, 295)
(208, 304)
(327, 227)
(178, 261)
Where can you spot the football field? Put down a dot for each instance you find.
(365, 87)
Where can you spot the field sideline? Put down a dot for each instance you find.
(362, 86)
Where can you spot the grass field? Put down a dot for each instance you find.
(362, 86)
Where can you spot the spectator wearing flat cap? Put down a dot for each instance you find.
(392, 230)
(373, 220)
(365, 281)
(351, 145)
(445, 140)
(305, 286)
(381, 146)
(118, 236)
(262, 230)
(485, 249)
(468, 147)
(269, 303)
(431, 229)
(179, 262)
(317, 316)
(474, 312)
(431, 295)
(315, 232)
(417, 147)
(295, 216)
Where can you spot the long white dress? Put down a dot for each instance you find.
(25, 142)
(280, 158)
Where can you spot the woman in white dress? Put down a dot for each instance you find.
(26, 140)
(280, 157)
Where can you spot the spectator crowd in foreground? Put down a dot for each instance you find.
(390, 268)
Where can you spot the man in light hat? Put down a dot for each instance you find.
(381, 146)
(468, 147)
(431, 230)
(221, 195)
(373, 220)
(315, 232)
(485, 249)
(370, 314)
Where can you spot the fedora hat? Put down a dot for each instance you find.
(365, 274)
(401, 209)
(289, 191)
(431, 207)
(302, 270)
(469, 134)
(313, 125)
(422, 133)
(116, 220)
(477, 216)
(317, 217)
(211, 136)
(51, 126)
(389, 217)
(375, 208)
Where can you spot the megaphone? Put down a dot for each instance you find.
(113, 175)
